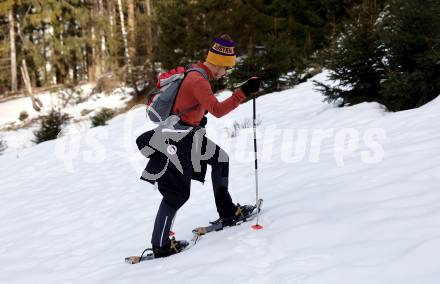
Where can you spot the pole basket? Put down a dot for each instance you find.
(257, 227)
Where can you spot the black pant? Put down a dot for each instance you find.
(174, 198)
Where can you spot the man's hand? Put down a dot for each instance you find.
(251, 86)
(203, 122)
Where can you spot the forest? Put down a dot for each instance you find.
(378, 50)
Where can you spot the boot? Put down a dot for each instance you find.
(172, 248)
(242, 212)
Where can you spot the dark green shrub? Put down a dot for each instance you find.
(3, 145)
(50, 126)
(102, 117)
(23, 116)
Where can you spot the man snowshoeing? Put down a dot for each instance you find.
(191, 150)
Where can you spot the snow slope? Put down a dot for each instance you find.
(23, 137)
(10, 110)
(355, 207)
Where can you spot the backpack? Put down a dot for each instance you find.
(160, 103)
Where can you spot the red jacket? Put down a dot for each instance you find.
(196, 90)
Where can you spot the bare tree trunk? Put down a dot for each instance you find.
(49, 50)
(36, 103)
(103, 53)
(308, 44)
(151, 74)
(149, 31)
(13, 52)
(131, 30)
(44, 48)
(111, 14)
(251, 46)
(63, 68)
(124, 37)
(95, 70)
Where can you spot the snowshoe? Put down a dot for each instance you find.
(242, 212)
(157, 252)
(172, 248)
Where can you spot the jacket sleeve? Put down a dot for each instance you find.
(203, 93)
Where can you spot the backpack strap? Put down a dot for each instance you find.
(202, 72)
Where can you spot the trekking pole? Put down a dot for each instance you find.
(257, 226)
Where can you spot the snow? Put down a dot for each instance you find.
(10, 110)
(23, 137)
(360, 204)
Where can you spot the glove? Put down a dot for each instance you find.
(203, 121)
(251, 86)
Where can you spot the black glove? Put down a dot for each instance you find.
(203, 121)
(251, 86)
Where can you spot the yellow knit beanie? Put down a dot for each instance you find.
(222, 52)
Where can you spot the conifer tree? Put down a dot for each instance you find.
(356, 61)
(411, 34)
(389, 56)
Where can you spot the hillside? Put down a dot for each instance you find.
(360, 205)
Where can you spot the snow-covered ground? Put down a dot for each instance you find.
(351, 196)
(90, 104)
(10, 110)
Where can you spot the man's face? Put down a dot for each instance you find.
(220, 71)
